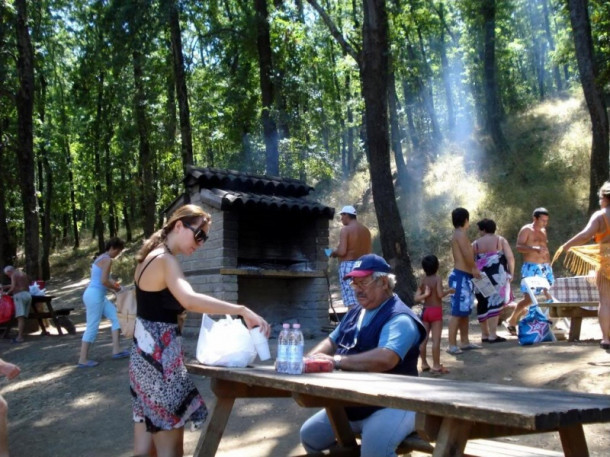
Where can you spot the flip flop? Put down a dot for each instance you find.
(512, 330)
(88, 364)
(425, 369)
(441, 370)
(470, 346)
(454, 350)
(498, 339)
(16, 341)
(120, 355)
(486, 340)
(605, 346)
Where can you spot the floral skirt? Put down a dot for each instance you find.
(163, 395)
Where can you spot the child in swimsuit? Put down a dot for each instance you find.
(431, 291)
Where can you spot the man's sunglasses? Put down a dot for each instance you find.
(198, 233)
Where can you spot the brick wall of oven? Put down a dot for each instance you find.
(277, 299)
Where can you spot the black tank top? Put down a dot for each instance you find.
(159, 305)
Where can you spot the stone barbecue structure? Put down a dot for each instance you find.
(266, 246)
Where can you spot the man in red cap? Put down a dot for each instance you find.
(354, 242)
(379, 334)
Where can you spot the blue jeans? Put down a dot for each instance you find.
(381, 432)
(97, 306)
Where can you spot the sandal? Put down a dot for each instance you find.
(88, 364)
(470, 346)
(512, 330)
(454, 350)
(498, 339)
(120, 355)
(605, 346)
(441, 370)
(425, 368)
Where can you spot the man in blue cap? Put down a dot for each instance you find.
(379, 334)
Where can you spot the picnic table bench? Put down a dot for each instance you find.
(42, 309)
(449, 413)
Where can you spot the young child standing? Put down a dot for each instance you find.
(431, 291)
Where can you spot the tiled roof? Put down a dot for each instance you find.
(234, 200)
(215, 178)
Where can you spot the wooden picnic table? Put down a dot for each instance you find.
(41, 309)
(575, 311)
(449, 412)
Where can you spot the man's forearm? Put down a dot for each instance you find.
(326, 346)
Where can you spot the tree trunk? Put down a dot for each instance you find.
(98, 222)
(374, 76)
(446, 71)
(263, 42)
(7, 249)
(181, 89)
(396, 132)
(409, 97)
(25, 140)
(551, 41)
(65, 142)
(349, 152)
(145, 153)
(537, 49)
(45, 181)
(594, 95)
(493, 110)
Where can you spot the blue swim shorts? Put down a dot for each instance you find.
(542, 270)
(462, 300)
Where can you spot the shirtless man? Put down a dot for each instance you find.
(20, 289)
(460, 279)
(532, 243)
(354, 242)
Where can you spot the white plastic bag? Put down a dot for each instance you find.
(225, 343)
(36, 290)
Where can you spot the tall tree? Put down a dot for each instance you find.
(263, 43)
(186, 134)
(373, 64)
(25, 140)
(493, 108)
(594, 95)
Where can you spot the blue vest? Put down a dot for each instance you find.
(368, 339)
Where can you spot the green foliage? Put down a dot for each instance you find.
(86, 90)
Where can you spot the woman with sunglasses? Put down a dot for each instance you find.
(164, 397)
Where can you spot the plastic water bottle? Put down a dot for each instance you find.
(281, 362)
(295, 350)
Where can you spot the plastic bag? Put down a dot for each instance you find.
(7, 308)
(535, 327)
(36, 290)
(127, 308)
(225, 343)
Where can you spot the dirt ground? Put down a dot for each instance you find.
(56, 409)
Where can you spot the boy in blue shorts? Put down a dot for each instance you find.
(460, 279)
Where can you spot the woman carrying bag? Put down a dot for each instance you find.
(164, 397)
(99, 306)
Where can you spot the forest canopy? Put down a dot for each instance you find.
(103, 103)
